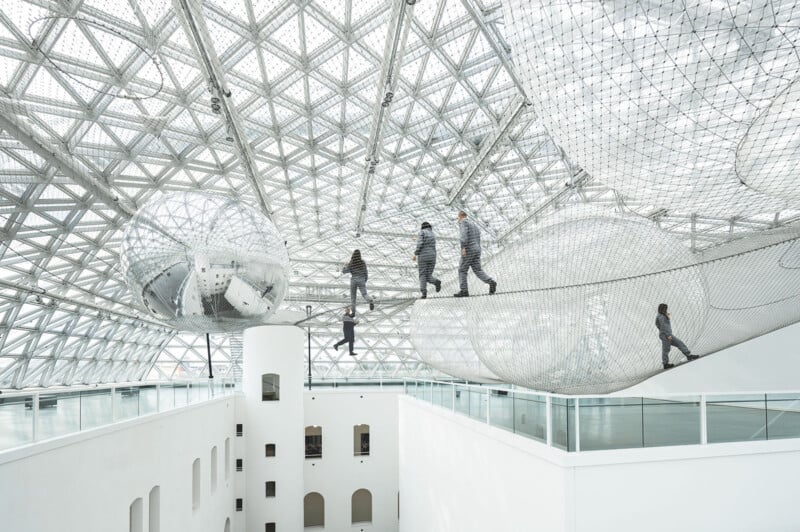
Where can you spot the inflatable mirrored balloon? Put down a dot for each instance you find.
(205, 262)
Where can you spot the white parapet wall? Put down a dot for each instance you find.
(461, 475)
(139, 475)
(272, 350)
(342, 469)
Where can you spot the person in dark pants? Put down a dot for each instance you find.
(357, 269)
(664, 326)
(348, 327)
(425, 255)
(471, 256)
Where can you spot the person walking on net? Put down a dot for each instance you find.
(471, 256)
(348, 327)
(357, 269)
(668, 339)
(425, 255)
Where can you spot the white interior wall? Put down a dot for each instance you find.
(769, 362)
(339, 473)
(272, 349)
(87, 481)
(457, 474)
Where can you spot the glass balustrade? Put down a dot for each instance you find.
(608, 422)
(35, 416)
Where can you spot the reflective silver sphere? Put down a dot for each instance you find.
(205, 262)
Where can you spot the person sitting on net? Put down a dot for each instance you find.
(357, 269)
(425, 255)
(348, 327)
(668, 339)
(470, 256)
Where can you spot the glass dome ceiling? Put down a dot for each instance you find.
(286, 105)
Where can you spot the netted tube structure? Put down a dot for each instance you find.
(579, 318)
(686, 105)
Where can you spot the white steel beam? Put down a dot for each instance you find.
(194, 23)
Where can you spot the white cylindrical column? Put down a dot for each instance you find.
(273, 350)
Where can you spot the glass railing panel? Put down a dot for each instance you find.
(736, 418)
(462, 400)
(166, 398)
(530, 416)
(610, 423)
(126, 403)
(477, 404)
(16, 421)
(59, 414)
(501, 409)
(563, 420)
(446, 396)
(95, 408)
(673, 421)
(148, 400)
(783, 416)
(181, 395)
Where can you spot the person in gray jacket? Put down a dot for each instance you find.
(471, 256)
(668, 339)
(357, 269)
(425, 255)
(348, 328)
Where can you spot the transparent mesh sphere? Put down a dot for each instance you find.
(204, 262)
(439, 335)
(653, 98)
(560, 328)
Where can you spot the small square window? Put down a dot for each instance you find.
(239, 504)
(269, 449)
(239, 464)
(269, 527)
(270, 488)
(239, 429)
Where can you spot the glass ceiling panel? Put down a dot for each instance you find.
(117, 91)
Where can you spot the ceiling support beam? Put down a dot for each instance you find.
(390, 73)
(581, 178)
(502, 53)
(66, 164)
(514, 111)
(195, 26)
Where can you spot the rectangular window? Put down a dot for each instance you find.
(239, 464)
(239, 429)
(239, 504)
(270, 488)
(269, 527)
(269, 449)
(270, 387)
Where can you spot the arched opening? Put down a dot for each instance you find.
(361, 440)
(154, 515)
(313, 510)
(213, 470)
(136, 521)
(270, 387)
(196, 484)
(361, 506)
(314, 441)
(227, 459)
(227, 524)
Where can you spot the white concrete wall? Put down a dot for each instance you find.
(87, 481)
(339, 473)
(272, 349)
(769, 362)
(457, 474)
